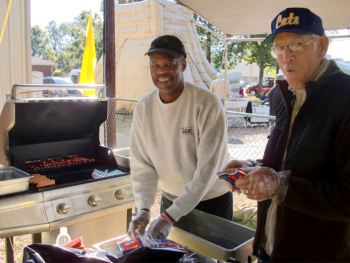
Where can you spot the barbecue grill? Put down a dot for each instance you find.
(60, 139)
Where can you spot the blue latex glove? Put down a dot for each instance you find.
(159, 228)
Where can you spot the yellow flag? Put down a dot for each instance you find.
(89, 59)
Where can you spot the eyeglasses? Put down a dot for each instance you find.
(294, 47)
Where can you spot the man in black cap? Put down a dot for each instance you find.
(303, 185)
(178, 141)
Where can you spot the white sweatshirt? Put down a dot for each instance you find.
(180, 145)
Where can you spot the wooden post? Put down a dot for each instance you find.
(109, 70)
(9, 250)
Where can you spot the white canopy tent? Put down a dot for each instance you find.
(247, 17)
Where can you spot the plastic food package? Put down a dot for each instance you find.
(147, 241)
(231, 177)
(130, 244)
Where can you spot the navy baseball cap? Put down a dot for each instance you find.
(168, 44)
(296, 20)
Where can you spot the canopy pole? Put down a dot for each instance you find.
(109, 69)
(225, 72)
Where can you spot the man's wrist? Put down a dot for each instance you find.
(251, 163)
(168, 218)
(283, 184)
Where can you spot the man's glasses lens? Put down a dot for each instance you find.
(293, 47)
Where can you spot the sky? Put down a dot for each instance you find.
(43, 11)
(340, 48)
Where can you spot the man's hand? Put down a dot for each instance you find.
(160, 227)
(259, 184)
(138, 224)
(235, 164)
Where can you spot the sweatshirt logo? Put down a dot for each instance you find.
(186, 131)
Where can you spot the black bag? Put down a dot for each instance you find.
(44, 253)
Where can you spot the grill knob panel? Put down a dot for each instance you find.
(62, 208)
(119, 194)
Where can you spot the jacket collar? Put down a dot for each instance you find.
(326, 70)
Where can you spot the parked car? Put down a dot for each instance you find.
(57, 80)
(242, 85)
(266, 86)
(74, 75)
(60, 81)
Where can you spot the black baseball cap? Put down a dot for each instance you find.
(296, 20)
(168, 44)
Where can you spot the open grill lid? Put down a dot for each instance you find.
(46, 129)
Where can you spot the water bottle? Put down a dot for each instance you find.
(63, 237)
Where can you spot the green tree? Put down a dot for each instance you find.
(238, 51)
(64, 43)
(235, 54)
(75, 34)
(259, 53)
(208, 38)
(56, 36)
(41, 45)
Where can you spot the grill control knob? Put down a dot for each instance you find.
(62, 208)
(119, 194)
(93, 200)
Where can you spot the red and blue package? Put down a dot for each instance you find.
(231, 177)
(130, 244)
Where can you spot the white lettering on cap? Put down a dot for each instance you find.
(290, 20)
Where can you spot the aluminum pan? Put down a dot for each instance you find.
(13, 180)
(213, 236)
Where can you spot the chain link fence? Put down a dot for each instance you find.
(247, 133)
(118, 124)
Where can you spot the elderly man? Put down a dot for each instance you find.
(178, 141)
(303, 184)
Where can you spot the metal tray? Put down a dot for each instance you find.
(122, 155)
(13, 180)
(213, 236)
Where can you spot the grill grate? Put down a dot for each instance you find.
(57, 163)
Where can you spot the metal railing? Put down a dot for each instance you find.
(247, 133)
